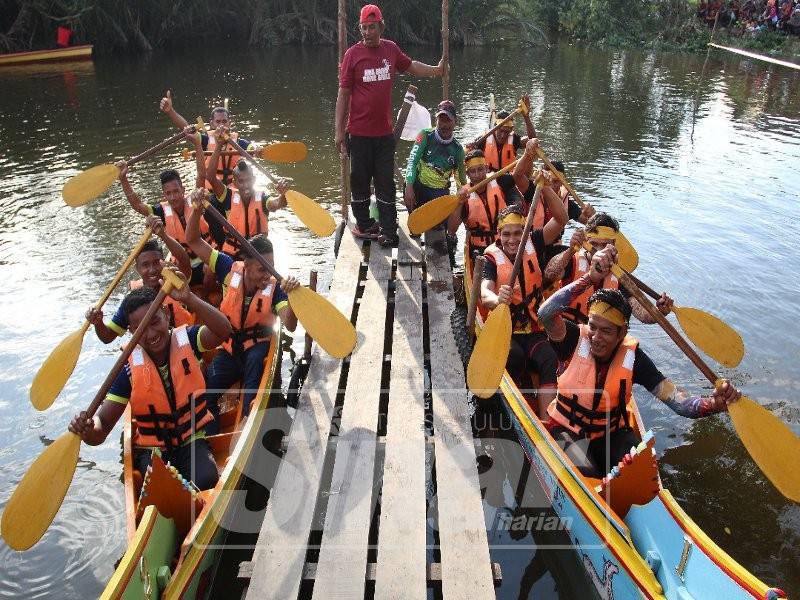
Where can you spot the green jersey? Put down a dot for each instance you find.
(433, 163)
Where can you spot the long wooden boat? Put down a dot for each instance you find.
(71, 53)
(632, 537)
(174, 531)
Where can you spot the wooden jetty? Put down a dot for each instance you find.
(378, 489)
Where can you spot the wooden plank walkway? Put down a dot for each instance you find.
(321, 530)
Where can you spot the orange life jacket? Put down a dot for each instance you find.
(526, 299)
(165, 420)
(577, 407)
(178, 314)
(542, 215)
(256, 326)
(497, 159)
(248, 222)
(225, 164)
(175, 228)
(482, 211)
(578, 309)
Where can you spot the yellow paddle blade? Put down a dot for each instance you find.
(313, 216)
(323, 322)
(85, 187)
(431, 213)
(284, 152)
(771, 444)
(627, 256)
(39, 495)
(56, 369)
(488, 359)
(712, 335)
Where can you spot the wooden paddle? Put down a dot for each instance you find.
(769, 440)
(709, 333)
(321, 319)
(84, 187)
(488, 359)
(627, 255)
(437, 210)
(58, 366)
(313, 216)
(278, 152)
(40, 493)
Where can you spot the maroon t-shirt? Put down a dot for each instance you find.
(368, 73)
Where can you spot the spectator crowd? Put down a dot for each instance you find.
(752, 16)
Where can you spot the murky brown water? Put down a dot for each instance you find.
(711, 217)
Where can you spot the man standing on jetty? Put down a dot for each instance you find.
(364, 105)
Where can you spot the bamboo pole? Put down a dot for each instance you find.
(474, 295)
(446, 49)
(312, 284)
(344, 171)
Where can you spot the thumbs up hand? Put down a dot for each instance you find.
(166, 102)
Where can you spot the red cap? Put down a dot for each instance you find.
(370, 14)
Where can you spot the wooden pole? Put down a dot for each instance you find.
(474, 294)
(312, 284)
(344, 171)
(446, 49)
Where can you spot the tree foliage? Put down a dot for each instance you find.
(143, 25)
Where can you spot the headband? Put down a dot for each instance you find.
(475, 161)
(608, 312)
(510, 219)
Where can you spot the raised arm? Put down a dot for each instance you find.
(211, 173)
(178, 251)
(133, 198)
(554, 227)
(525, 166)
(530, 130)
(199, 159)
(274, 204)
(166, 107)
(216, 326)
(418, 69)
(288, 318)
(558, 264)
(197, 244)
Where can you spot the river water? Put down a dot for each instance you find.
(707, 201)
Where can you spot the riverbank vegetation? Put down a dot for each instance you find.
(145, 25)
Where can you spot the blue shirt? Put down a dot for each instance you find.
(222, 263)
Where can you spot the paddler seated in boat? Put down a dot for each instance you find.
(148, 265)
(251, 298)
(530, 352)
(220, 117)
(573, 263)
(501, 147)
(479, 209)
(527, 187)
(164, 384)
(590, 413)
(173, 207)
(246, 209)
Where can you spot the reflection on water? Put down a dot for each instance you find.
(709, 214)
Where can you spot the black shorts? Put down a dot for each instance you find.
(532, 353)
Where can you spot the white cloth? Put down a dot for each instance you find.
(418, 119)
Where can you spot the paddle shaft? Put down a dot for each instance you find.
(446, 49)
(243, 243)
(540, 153)
(525, 233)
(474, 293)
(643, 286)
(245, 154)
(312, 284)
(679, 340)
(124, 268)
(481, 139)
(126, 352)
(160, 146)
(484, 182)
